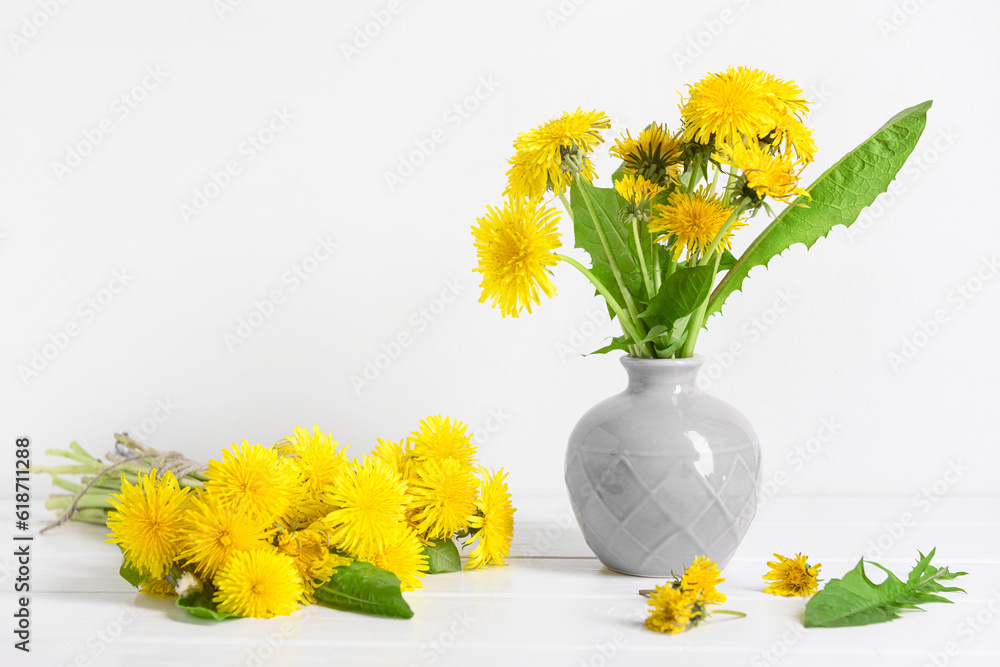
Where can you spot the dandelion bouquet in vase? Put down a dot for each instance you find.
(663, 473)
(658, 237)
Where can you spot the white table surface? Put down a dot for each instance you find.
(554, 604)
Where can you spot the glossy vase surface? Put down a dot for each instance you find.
(663, 472)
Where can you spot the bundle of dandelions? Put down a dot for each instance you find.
(659, 238)
(268, 529)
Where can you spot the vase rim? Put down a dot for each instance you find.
(694, 361)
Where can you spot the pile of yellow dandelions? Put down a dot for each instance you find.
(271, 524)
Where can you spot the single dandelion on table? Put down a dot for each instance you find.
(792, 577)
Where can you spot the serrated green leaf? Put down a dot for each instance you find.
(442, 556)
(619, 343)
(855, 600)
(837, 197)
(131, 574)
(608, 212)
(363, 587)
(679, 295)
(202, 605)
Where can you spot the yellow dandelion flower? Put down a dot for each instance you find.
(654, 155)
(403, 555)
(493, 522)
(443, 493)
(670, 610)
(394, 455)
(371, 504)
(785, 97)
(261, 583)
(442, 438)
(792, 577)
(728, 105)
(793, 136)
(310, 551)
(768, 175)
(514, 246)
(146, 522)
(254, 478)
(637, 191)
(700, 580)
(548, 156)
(317, 461)
(158, 588)
(213, 532)
(694, 220)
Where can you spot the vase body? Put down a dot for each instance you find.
(663, 473)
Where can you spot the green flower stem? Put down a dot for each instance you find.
(627, 325)
(695, 168)
(697, 319)
(92, 500)
(721, 234)
(730, 612)
(565, 203)
(629, 303)
(642, 260)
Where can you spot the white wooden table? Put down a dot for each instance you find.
(552, 605)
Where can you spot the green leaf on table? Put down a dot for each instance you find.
(679, 295)
(442, 556)
(837, 197)
(855, 600)
(201, 604)
(132, 574)
(363, 587)
(608, 211)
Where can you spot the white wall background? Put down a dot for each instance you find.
(161, 340)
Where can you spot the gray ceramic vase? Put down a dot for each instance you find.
(663, 473)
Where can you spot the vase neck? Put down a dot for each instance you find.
(672, 375)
